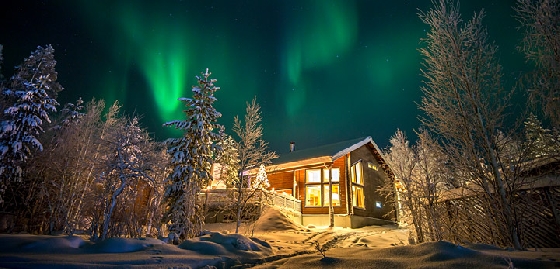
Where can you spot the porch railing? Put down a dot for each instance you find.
(280, 201)
(284, 202)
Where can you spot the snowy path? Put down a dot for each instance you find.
(274, 244)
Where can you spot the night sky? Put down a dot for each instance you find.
(323, 71)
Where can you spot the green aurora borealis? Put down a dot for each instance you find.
(323, 71)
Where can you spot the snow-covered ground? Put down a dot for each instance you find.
(273, 242)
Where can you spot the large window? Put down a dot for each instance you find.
(357, 174)
(313, 195)
(358, 198)
(317, 187)
(335, 194)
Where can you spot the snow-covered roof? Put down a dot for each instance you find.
(318, 155)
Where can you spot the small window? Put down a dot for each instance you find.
(372, 166)
(335, 175)
(378, 204)
(313, 176)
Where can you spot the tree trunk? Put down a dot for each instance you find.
(239, 202)
(111, 208)
(331, 209)
(508, 214)
(416, 219)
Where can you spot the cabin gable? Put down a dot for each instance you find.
(372, 204)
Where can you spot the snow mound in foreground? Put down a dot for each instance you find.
(273, 220)
(55, 243)
(215, 243)
(122, 245)
(425, 255)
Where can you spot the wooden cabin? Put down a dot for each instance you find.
(348, 174)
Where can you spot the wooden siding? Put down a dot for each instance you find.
(373, 179)
(281, 180)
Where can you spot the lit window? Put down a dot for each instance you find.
(313, 176)
(317, 187)
(335, 175)
(357, 174)
(372, 166)
(313, 195)
(335, 195)
(378, 204)
(358, 199)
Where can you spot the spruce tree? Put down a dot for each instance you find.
(192, 158)
(261, 181)
(31, 92)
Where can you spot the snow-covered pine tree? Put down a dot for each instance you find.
(71, 113)
(544, 143)
(261, 181)
(39, 69)
(191, 158)
(31, 90)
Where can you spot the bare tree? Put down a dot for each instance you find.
(432, 178)
(129, 160)
(540, 22)
(403, 162)
(252, 152)
(464, 103)
(51, 175)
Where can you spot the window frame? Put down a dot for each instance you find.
(323, 181)
(326, 194)
(355, 196)
(357, 184)
(320, 197)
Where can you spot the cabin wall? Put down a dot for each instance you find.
(281, 181)
(374, 177)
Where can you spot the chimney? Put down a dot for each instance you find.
(292, 146)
